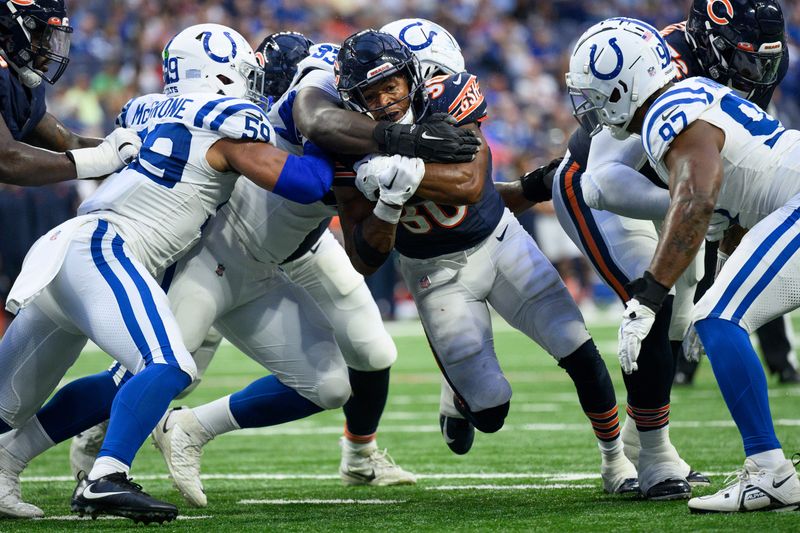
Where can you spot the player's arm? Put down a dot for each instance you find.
(532, 188)
(23, 164)
(695, 179)
(51, 134)
(319, 118)
(368, 240)
(304, 179)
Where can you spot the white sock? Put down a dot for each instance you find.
(216, 416)
(105, 465)
(770, 459)
(355, 447)
(28, 441)
(654, 439)
(610, 449)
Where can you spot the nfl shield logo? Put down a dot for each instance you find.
(424, 282)
(220, 269)
(55, 235)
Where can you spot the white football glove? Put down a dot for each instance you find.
(716, 227)
(118, 149)
(396, 185)
(637, 320)
(693, 348)
(367, 172)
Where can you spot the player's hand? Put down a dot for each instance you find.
(637, 320)
(717, 226)
(693, 348)
(537, 185)
(435, 140)
(118, 149)
(396, 185)
(367, 172)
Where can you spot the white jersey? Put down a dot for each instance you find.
(760, 164)
(271, 226)
(160, 201)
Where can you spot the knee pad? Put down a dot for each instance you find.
(333, 391)
(379, 353)
(487, 421)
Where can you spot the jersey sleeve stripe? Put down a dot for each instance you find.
(208, 108)
(465, 113)
(655, 113)
(457, 99)
(232, 110)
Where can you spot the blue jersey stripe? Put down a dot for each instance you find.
(750, 265)
(232, 110)
(208, 108)
(772, 269)
(128, 316)
(147, 299)
(656, 113)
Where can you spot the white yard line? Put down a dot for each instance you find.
(312, 501)
(512, 487)
(74, 517)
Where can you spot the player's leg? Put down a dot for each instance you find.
(285, 331)
(776, 345)
(758, 283)
(369, 351)
(34, 355)
(111, 298)
(620, 249)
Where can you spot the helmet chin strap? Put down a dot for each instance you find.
(26, 75)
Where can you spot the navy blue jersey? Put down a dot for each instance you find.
(22, 108)
(428, 229)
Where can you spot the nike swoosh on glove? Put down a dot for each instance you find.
(637, 320)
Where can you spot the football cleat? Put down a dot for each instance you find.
(84, 448)
(619, 475)
(754, 489)
(11, 503)
(458, 433)
(697, 479)
(370, 466)
(180, 438)
(661, 476)
(116, 494)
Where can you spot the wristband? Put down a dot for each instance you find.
(721, 258)
(369, 255)
(648, 291)
(387, 213)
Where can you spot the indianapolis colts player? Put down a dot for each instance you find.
(715, 150)
(34, 39)
(94, 275)
(460, 249)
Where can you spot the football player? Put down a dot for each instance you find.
(460, 249)
(94, 276)
(35, 148)
(716, 151)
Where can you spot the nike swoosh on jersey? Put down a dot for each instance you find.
(665, 115)
(778, 485)
(314, 249)
(89, 495)
(430, 137)
(457, 80)
(502, 235)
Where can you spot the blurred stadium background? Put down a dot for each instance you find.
(518, 48)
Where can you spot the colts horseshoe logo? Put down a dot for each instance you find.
(215, 57)
(721, 20)
(617, 69)
(416, 47)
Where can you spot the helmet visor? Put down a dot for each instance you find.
(50, 43)
(755, 68)
(587, 105)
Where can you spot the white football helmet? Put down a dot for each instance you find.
(211, 58)
(438, 52)
(615, 67)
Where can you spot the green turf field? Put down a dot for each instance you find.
(539, 473)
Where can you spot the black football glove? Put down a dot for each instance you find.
(436, 140)
(537, 186)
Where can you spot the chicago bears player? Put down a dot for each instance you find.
(715, 150)
(35, 148)
(199, 137)
(279, 53)
(461, 250)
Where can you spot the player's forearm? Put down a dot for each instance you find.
(334, 129)
(370, 243)
(25, 165)
(731, 239)
(513, 197)
(622, 190)
(451, 184)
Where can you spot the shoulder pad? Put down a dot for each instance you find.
(122, 117)
(458, 95)
(674, 110)
(235, 118)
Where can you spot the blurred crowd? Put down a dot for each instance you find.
(518, 48)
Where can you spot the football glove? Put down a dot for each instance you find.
(537, 185)
(118, 149)
(638, 318)
(367, 171)
(716, 227)
(396, 185)
(437, 139)
(692, 346)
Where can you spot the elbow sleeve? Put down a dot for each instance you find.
(305, 179)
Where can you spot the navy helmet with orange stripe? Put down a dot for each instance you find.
(738, 42)
(35, 38)
(369, 57)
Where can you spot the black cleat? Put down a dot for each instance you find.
(458, 433)
(629, 486)
(696, 479)
(671, 489)
(117, 495)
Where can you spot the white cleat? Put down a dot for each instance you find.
(11, 503)
(755, 489)
(180, 438)
(619, 475)
(84, 448)
(370, 466)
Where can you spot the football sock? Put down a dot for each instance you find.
(741, 380)
(105, 465)
(28, 441)
(216, 417)
(654, 438)
(364, 408)
(137, 408)
(649, 387)
(595, 391)
(78, 405)
(268, 402)
(770, 460)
